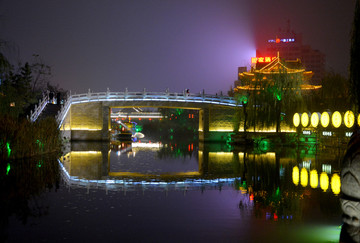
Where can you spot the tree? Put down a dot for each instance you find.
(241, 99)
(272, 97)
(231, 92)
(20, 89)
(4, 62)
(355, 58)
(41, 74)
(16, 93)
(286, 92)
(334, 93)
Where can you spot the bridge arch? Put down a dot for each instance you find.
(87, 116)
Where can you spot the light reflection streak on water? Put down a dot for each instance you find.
(118, 184)
(147, 145)
(315, 178)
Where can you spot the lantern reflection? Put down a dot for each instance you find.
(304, 177)
(295, 175)
(324, 181)
(314, 179)
(335, 184)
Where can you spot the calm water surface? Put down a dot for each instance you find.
(173, 192)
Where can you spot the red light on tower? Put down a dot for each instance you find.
(277, 40)
(268, 59)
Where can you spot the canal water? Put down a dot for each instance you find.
(152, 191)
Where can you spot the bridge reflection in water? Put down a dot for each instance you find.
(127, 166)
(93, 164)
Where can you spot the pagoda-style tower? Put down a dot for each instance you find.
(264, 72)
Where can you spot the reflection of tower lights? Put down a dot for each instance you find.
(295, 175)
(306, 164)
(314, 179)
(326, 168)
(131, 153)
(304, 177)
(324, 181)
(147, 145)
(335, 184)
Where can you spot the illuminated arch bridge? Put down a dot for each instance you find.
(87, 116)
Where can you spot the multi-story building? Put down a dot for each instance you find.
(291, 47)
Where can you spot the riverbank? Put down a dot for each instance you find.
(256, 138)
(265, 141)
(20, 138)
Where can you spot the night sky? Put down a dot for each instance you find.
(159, 44)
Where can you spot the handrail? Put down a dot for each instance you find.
(143, 96)
(38, 109)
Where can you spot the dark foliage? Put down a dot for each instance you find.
(355, 57)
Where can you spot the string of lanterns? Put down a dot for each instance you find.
(306, 119)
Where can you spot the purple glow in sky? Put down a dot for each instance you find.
(157, 44)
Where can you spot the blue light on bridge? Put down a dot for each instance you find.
(113, 183)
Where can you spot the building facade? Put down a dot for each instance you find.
(290, 46)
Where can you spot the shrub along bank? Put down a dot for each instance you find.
(20, 138)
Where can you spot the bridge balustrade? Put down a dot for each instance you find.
(143, 96)
(159, 96)
(39, 108)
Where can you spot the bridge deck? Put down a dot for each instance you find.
(136, 97)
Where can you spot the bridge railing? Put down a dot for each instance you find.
(158, 96)
(143, 96)
(64, 109)
(39, 108)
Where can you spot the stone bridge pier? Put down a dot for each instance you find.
(87, 122)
